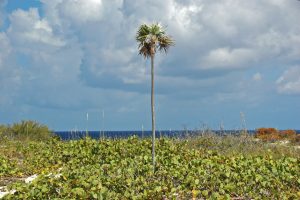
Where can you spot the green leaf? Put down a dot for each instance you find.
(204, 193)
(227, 174)
(78, 191)
(146, 158)
(158, 189)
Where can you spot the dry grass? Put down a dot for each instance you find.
(244, 144)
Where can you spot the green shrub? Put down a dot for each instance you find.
(25, 130)
(3, 130)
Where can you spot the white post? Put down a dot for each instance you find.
(103, 124)
(87, 123)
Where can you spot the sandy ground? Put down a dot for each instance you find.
(4, 191)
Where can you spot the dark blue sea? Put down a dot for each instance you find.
(73, 135)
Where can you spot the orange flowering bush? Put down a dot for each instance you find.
(272, 134)
(287, 134)
(267, 134)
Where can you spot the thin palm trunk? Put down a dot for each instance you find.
(152, 38)
(153, 112)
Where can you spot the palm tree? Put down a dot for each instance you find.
(151, 38)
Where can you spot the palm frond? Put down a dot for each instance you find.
(157, 29)
(165, 42)
(145, 50)
(142, 33)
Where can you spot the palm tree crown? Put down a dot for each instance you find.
(152, 37)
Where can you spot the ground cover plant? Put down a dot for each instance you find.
(122, 169)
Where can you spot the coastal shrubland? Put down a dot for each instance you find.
(204, 167)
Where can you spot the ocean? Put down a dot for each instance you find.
(70, 135)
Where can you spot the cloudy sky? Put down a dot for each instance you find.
(62, 59)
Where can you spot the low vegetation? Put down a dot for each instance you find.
(208, 167)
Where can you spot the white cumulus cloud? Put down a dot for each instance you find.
(289, 81)
(227, 58)
(27, 28)
(82, 11)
